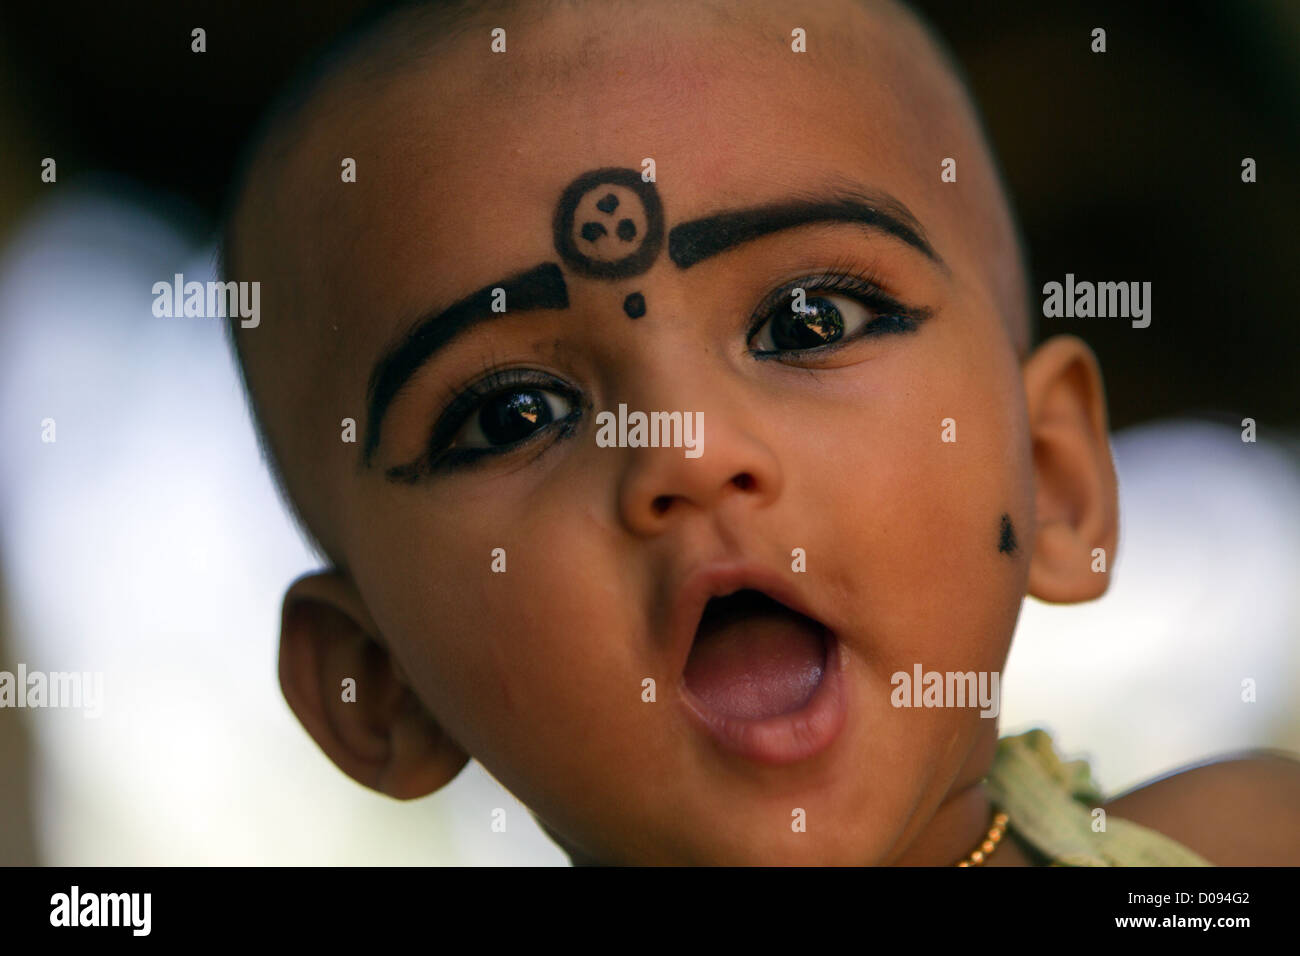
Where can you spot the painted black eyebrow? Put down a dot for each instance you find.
(693, 242)
(539, 288)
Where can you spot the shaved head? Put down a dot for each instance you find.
(442, 132)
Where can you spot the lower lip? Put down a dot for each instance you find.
(786, 738)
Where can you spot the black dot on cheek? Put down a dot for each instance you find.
(634, 305)
(608, 204)
(626, 229)
(1007, 537)
(591, 231)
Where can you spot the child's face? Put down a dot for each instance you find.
(539, 672)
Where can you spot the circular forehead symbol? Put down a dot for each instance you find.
(609, 224)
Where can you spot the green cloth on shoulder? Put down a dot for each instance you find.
(1050, 804)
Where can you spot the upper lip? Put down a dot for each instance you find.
(718, 579)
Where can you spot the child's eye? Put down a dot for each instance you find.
(790, 322)
(821, 321)
(503, 411)
(510, 417)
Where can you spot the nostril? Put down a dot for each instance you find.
(744, 481)
(661, 504)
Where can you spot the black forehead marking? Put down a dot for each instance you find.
(578, 228)
(634, 305)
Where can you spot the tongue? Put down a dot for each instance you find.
(755, 658)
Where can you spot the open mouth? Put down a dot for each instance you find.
(753, 658)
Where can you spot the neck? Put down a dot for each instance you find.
(955, 829)
(962, 821)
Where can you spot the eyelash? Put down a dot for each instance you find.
(467, 401)
(862, 285)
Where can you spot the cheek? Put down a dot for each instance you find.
(513, 663)
(912, 537)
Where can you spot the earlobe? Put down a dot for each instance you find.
(349, 693)
(1074, 474)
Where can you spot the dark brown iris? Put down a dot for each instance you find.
(819, 324)
(513, 416)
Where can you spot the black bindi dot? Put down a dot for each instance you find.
(634, 305)
(591, 231)
(608, 204)
(1007, 538)
(626, 230)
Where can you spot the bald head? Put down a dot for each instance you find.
(460, 153)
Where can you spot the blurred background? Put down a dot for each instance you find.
(147, 541)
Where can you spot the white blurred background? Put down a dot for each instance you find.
(148, 543)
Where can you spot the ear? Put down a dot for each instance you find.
(1074, 474)
(384, 738)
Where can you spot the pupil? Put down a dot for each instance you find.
(513, 416)
(820, 325)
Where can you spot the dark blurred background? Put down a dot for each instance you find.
(1122, 166)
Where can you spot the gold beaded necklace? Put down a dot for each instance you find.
(990, 843)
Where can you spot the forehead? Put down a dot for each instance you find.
(462, 156)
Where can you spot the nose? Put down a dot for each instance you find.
(736, 469)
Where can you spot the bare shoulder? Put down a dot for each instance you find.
(1235, 811)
